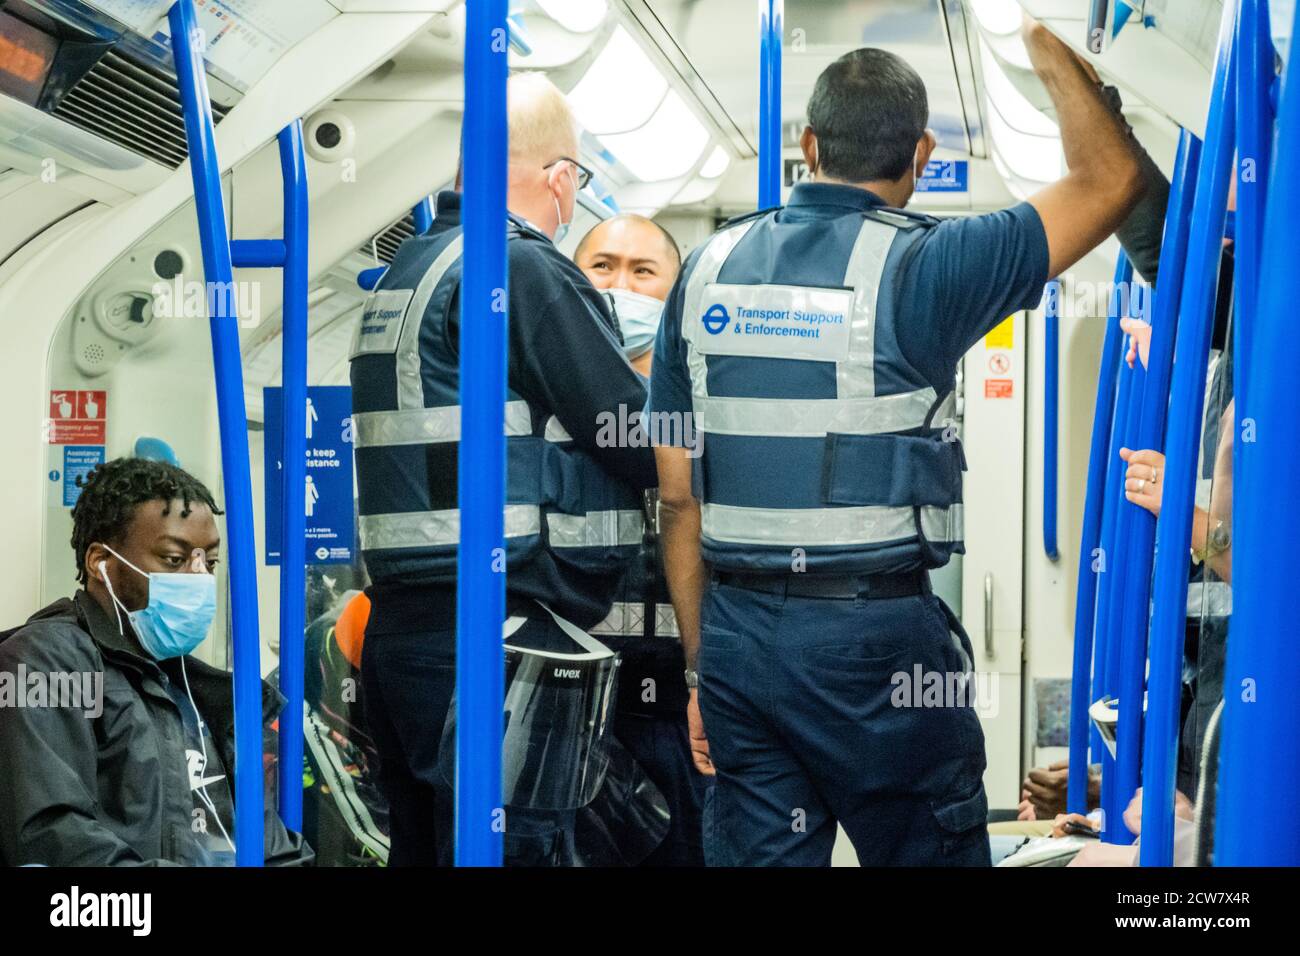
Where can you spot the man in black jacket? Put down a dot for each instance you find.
(115, 747)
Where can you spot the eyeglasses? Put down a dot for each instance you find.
(584, 174)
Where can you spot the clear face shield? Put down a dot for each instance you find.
(560, 693)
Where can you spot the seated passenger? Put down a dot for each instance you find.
(122, 748)
(634, 261)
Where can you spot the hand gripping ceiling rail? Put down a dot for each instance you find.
(220, 254)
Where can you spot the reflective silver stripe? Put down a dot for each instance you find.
(856, 378)
(813, 417)
(946, 413)
(626, 619)
(555, 431)
(943, 524)
(432, 529)
(423, 426)
(818, 527)
(595, 529)
(666, 621)
(410, 389)
(705, 273)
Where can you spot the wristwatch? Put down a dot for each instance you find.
(692, 678)
(1217, 541)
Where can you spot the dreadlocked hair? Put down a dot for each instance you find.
(111, 492)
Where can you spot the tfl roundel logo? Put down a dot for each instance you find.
(716, 319)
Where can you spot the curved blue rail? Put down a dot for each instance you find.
(1051, 415)
(1151, 425)
(293, 455)
(1084, 688)
(1186, 413)
(205, 168)
(1261, 708)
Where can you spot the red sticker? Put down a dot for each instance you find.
(997, 387)
(78, 417)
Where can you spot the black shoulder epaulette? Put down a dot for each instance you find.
(756, 214)
(517, 227)
(901, 218)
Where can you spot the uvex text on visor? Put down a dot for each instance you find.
(560, 693)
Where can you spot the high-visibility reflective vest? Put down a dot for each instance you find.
(823, 449)
(565, 517)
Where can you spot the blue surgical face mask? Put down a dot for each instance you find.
(179, 613)
(562, 229)
(638, 319)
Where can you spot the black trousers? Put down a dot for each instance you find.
(408, 679)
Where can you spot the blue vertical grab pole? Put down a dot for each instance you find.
(1261, 710)
(1186, 412)
(480, 580)
(1255, 65)
(1106, 666)
(1085, 604)
(1128, 646)
(771, 25)
(293, 454)
(1051, 413)
(1151, 434)
(205, 168)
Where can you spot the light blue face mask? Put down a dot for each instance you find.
(179, 613)
(638, 319)
(562, 229)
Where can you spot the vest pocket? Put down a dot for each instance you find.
(892, 470)
(591, 522)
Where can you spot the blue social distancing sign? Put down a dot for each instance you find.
(327, 497)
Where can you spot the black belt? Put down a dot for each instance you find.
(844, 586)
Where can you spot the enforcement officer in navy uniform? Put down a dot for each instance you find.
(815, 347)
(572, 517)
(634, 261)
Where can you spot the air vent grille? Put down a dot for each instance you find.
(385, 243)
(133, 105)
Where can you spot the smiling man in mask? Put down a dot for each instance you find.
(121, 748)
(634, 262)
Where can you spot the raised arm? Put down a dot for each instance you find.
(1104, 181)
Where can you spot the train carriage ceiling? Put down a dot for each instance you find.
(717, 40)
